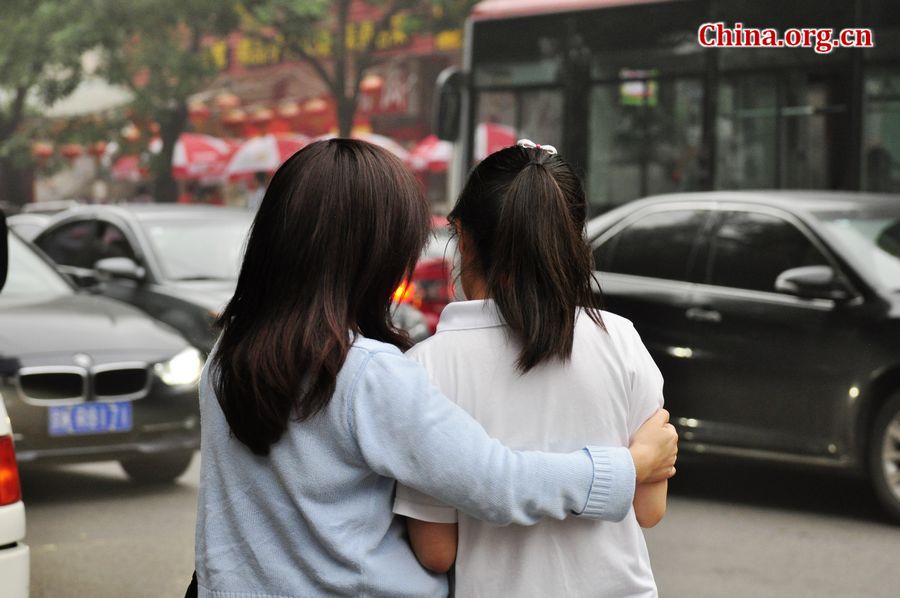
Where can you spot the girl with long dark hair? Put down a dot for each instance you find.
(310, 411)
(534, 359)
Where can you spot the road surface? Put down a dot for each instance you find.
(734, 532)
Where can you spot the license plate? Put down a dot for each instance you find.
(89, 418)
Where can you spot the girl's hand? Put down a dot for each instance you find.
(654, 449)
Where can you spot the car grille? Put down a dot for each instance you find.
(52, 386)
(122, 382)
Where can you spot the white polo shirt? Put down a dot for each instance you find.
(601, 396)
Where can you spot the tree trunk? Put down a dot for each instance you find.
(165, 188)
(17, 183)
(346, 110)
(345, 106)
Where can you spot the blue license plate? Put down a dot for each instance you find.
(89, 418)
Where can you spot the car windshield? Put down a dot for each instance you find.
(195, 249)
(30, 277)
(874, 238)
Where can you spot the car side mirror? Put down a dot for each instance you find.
(812, 282)
(120, 267)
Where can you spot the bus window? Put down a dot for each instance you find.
(504, 117)
(745, 133)
(616, 142)
(675, 131)
(541, 116)
(645, 138)
(496, 123)
(881, 132)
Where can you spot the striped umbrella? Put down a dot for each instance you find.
(264, 154)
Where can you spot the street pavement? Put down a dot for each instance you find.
(731, 531)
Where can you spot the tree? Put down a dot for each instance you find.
(320, 33)
(41, 45)
(158, 48)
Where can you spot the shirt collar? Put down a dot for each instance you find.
(466, 315)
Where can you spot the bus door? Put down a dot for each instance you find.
(785, 129)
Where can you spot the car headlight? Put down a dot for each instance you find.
(181, 370)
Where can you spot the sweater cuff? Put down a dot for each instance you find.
(612, 490)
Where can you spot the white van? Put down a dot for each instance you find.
(14, 556)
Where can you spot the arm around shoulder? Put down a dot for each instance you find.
(406, 429)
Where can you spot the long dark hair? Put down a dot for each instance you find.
(524, 210)
(340, 226)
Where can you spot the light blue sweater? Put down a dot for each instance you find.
(314, 517)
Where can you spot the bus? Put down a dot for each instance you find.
(628, 93)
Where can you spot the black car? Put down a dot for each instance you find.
(87, 378)
(178, 263)
(775, 318)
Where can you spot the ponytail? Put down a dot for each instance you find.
(525, 210)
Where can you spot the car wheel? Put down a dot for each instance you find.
(884, 456)
(157, 469)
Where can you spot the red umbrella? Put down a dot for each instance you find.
(217, 172)
(196, 155)
(128, 168)
(431, 155)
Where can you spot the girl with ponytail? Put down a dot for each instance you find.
(533, 358)
(311, 411)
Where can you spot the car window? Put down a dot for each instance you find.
(199, 249)
(73, 244)
(659, 245)
(113, 243)
(750, 250)
(873, 238)
(30, 276)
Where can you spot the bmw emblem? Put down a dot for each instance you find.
(82, 360)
